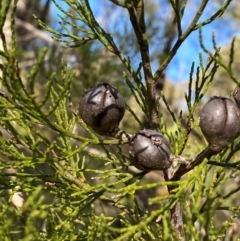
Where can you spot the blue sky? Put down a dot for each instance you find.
(179, 68)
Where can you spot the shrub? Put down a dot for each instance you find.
(64, 180)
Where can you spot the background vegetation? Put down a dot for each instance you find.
(61, 181)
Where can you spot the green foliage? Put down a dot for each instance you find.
(77, 185)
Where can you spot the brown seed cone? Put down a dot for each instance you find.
(220, 122)
(149, 150)
(102, 107)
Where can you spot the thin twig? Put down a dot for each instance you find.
(188, 166)
(169, 35)
(35, 32)
(136, 13)
(180, 40)
(175, 212)
(171, 175)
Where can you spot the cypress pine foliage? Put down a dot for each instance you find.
(74, 184)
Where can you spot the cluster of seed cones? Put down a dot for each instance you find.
(102, 107)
